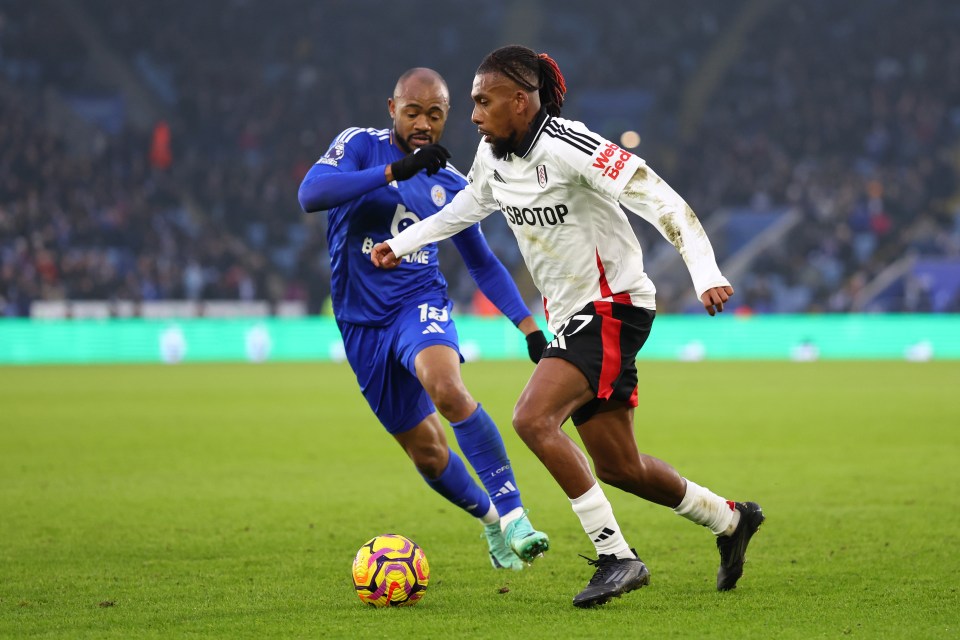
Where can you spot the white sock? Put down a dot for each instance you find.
(510, 516)
(704, 507)
(596, 516)
(490, 516)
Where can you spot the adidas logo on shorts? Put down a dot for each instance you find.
(433, 327)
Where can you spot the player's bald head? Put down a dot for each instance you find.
(420, 80)
(419, 108)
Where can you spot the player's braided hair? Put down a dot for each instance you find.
(531, 72)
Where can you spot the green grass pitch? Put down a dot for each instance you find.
(227, 501)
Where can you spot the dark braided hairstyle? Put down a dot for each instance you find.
(531, 72)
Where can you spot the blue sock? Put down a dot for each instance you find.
(456, 485)
(480, 441)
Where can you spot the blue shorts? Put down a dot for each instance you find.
(383, 360)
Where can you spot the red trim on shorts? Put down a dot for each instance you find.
(546, 313)
(610, 338)
(605, 290)
(633, 398)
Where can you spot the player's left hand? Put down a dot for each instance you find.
(714, 298)
(536, 343)
(383, 256)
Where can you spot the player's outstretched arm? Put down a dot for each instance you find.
(647, 195)
(459, 214)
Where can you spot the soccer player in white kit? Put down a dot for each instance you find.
(560, 187)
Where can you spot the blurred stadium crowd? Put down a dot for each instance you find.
(152, 151)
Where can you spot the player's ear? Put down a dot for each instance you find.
(392, 108)
(522, 101)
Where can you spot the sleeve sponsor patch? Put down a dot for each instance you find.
(333, 155)
(611, 160)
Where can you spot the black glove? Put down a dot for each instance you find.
(432, 157)
(536, 343)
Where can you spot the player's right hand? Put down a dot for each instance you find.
(431, 157)
(383, 256)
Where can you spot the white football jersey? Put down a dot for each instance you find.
(559, 193)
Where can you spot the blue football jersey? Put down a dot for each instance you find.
(362, 293)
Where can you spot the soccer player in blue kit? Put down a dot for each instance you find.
(399, 337)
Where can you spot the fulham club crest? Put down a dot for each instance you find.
(542, 175)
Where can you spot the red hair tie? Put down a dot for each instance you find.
(561, 83)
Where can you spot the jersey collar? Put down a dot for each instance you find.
(533, 134)
(393, 142)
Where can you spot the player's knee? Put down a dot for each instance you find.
(451, 399)
(530, 426)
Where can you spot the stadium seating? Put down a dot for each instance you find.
(865, 151)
